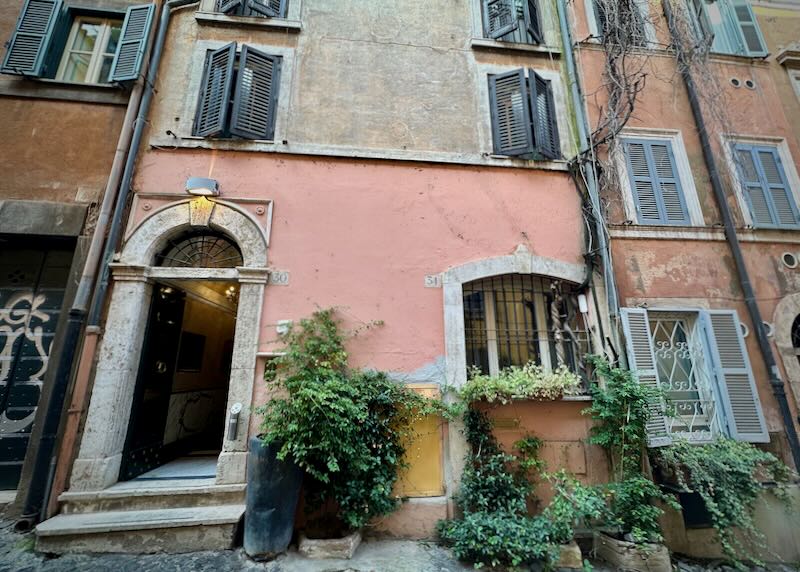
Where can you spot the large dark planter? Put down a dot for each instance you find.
(273, 488)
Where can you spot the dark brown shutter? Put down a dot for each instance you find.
(533, 21)
(511, 121)
(28, 46)
(268, 8)
(499, 18)
(256, 95)
(227, 6)
(215, 89)
(543, 109)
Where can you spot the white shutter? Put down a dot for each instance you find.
(734, 376)
(642, 362)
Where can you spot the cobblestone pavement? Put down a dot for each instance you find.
(17, 555)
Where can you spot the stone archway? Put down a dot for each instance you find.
(98, 462)
(786, 311)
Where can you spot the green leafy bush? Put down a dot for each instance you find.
(498, 538)
(727, 475)
(345, 428)
(620, 412)
(530, 381)
(495, 486)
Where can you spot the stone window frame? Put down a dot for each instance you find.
(675, 138)
(550, 31)
(781, 145)
(206, 15)
(644, 10)
(188, 104)
(562, 105)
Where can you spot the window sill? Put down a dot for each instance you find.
(711, 233)
(722, 58)
(168, 142)
(15, 86)
(484, 44)
(214, 19)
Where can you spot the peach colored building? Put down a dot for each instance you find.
(682, 292)
(403, 169)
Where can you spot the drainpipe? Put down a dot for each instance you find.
(582, 122)
(44, 469)
(732, 238)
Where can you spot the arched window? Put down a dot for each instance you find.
(516, 318)
(204, 249)
(796, 336)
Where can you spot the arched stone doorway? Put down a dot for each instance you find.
(119, 355)
(786, 319)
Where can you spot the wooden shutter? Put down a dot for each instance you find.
(748, 26)
(28, 45)
(765, 186)
(499, 18)
(654, 181)
(227, 6)
(533, 23)
(734, 376)
(268, 8)
(600, 19)
(511, 121)
(132, 43)
(256, 96)
(778, 191)
(705, 31)
(215, 89)
(755, 194)
(642, 362)
(543, 110)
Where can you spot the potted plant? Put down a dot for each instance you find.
(344, 428)
(632, 539)
(530, 381)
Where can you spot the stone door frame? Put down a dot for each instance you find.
(98, 463)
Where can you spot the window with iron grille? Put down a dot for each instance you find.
(257, 8)
(699, 360)
(517, 21)
(523, 115)
(238, 94)
(514, 319)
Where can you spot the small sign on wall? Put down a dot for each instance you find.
(279, 277)
(433, 281)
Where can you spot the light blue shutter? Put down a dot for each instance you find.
(132, 43)
(734, 377)
(654, 182)
(778, 191)
(751, 37)
(642, 362)
(766, 189)
(28, 46)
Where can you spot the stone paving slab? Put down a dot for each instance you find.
(17, 555)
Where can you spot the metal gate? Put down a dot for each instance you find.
(33, 276)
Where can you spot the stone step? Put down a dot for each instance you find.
(185, 529)
(146, 495)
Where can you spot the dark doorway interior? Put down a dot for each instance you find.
(182, 387)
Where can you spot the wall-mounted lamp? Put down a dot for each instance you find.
(202, 187)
